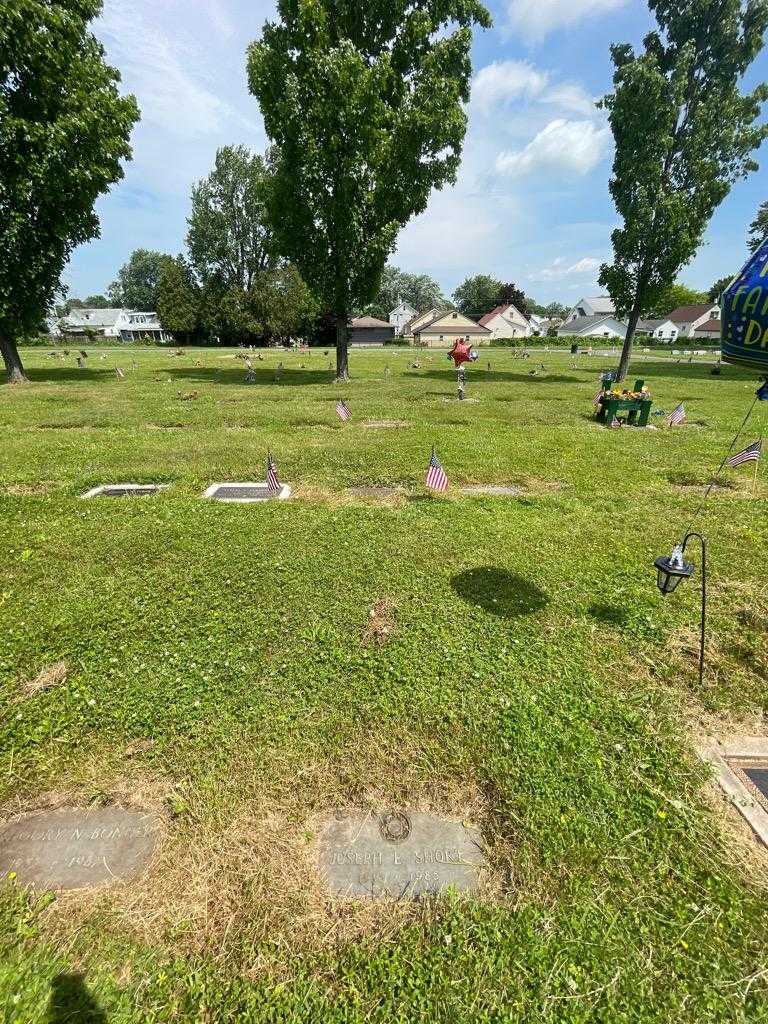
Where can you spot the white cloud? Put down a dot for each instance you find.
(570, 146)
(535, 19)
(160, 69)
(505, 80)
(570, 96)
(560, 268)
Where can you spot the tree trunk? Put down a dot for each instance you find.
(12, 360)
(626, 352)
(342, 348)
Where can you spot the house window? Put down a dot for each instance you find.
(466, 337)
(455, 316)
(441, 337)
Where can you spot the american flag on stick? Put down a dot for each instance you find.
(273, 484)
(436, 478)
(342, 410)
(678, 416)
(751, 453)
(598, 398)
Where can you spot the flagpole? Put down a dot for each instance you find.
(757, 466)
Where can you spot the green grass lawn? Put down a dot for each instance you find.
(224, 668)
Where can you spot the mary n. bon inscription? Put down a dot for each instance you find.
(76, 848)
(399, 854)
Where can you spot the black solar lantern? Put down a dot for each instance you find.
(672, 569)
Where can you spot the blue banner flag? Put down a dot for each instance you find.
(745, 314)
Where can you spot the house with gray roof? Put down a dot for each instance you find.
(593, 327)
(125, 324)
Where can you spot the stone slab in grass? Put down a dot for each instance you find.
(398, 854)
(246, 493)
(77, 848)
(741, 769)
(125, 490)
(494, 490)
(385, 424)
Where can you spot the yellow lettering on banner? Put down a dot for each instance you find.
(736, 295)
(754, 334)
(764, 271)
(752, 301)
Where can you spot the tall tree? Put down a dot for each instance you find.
(419, 290)
(136, 284)
(282, 304)
(511, 293)
(758, 229)
(96, 302)
(478, 295)
(178, 299)
(64, 130)
(683, 133)
(668, 299)
(365, 103)
(717, 289)
(229, 239)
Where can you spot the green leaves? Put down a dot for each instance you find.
(364, 105)
(64, 131)
(684, 134)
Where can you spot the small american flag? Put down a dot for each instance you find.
(678, 416)
(273, 484)
(436, 478)
(342, 410)
(750, 454)
(615, 423)
(598, 398)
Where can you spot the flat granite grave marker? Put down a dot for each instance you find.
(125, 490)
(77, 848)
(245, 493)
(399, 854)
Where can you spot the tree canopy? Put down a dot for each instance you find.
(64, 130)
(365, 103)
(137, 280)
(684, 133)
(178, 298)
(230, 240)
(420, 291)
(717, 289)
(478, 295)
(673, 296)
(758, 229)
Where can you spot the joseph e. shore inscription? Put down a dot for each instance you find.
(77, 848)
(399, 854)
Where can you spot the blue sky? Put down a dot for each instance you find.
(531, 204)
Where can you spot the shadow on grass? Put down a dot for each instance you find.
(71, 1003)
(500, 592)
(610, 614)
(188, 374)
(495, 377)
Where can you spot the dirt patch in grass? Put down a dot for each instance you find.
(243, 883)
(31, 490)
(48, 677)
(381, 621)
(374, 491)
(385, 424)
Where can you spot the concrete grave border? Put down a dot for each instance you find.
(744, 748)
(98, 492)
(259, 489)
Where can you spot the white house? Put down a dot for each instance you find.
(400, 316)
(126, 324)
(688, 319)
(445, 326)
(598, 305)
(660, 330)
(711, 330)
(506, 322)
(593, 327)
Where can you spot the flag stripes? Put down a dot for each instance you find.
(436, 478)
(343, 411)
(273, 484)
(678, 416)
(751, 453)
